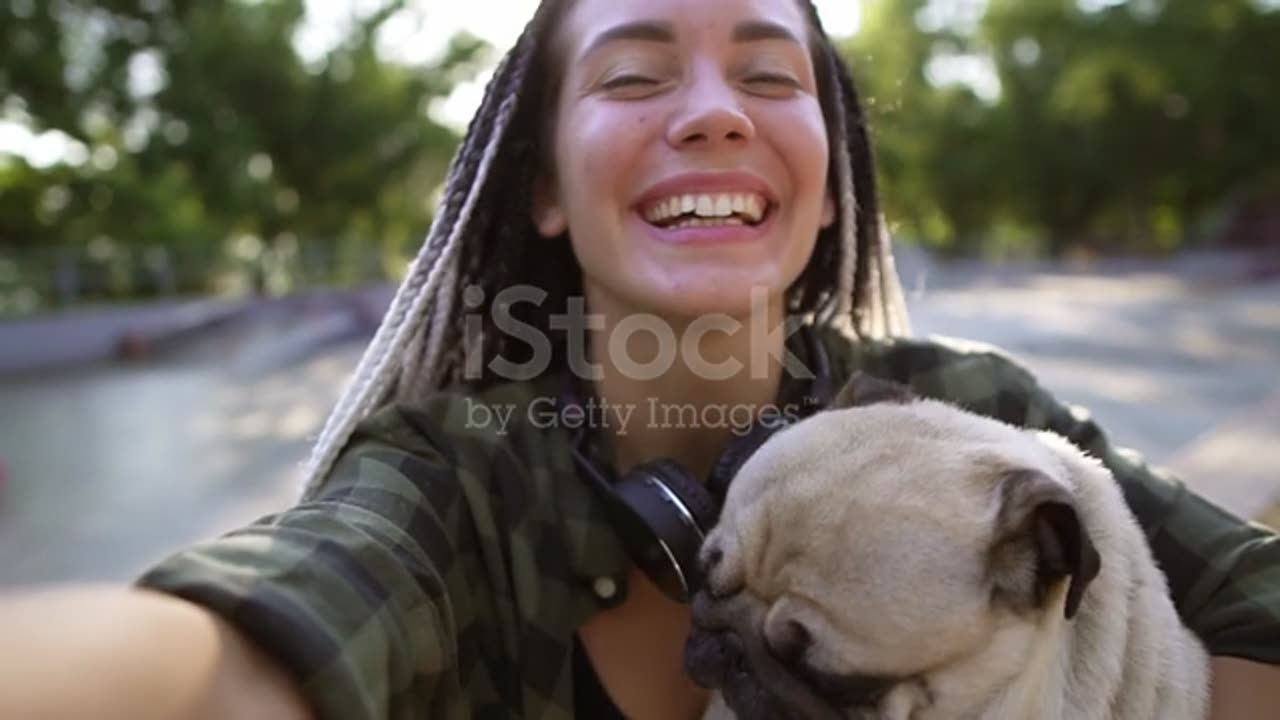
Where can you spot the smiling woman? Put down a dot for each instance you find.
(698, 170)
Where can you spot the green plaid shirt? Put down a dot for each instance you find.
(442, 570)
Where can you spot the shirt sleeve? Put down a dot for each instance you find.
(1223, 572)
(350, 589)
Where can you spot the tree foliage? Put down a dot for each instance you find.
(200, 137)
(196, 138)
(1115, 126)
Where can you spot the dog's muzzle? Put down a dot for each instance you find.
(724, 653)
(716, 659)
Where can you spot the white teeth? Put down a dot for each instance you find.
(707, 222)
(749, 206)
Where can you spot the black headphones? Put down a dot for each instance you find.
(661, 513)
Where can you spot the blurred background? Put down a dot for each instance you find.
(205, 205)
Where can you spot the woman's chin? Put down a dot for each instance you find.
(712, 301)
(714, 293)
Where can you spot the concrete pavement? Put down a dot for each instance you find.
(1237, 462)
(1175, 364)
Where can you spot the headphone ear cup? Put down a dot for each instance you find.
(661, 513)
(691, 492)
(664, 515)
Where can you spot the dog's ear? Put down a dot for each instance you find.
(1040, 541)
(863, 389)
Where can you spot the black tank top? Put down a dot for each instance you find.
(590, 700)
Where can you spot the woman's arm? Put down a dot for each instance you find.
(1243, 689)
(340, 606)
(111, 652)
(349, 590)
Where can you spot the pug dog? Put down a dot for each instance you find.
(896, 558)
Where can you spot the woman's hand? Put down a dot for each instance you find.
(1243, 690)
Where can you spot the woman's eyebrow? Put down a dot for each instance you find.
(664, 32)
(753, 30)
(646, 30)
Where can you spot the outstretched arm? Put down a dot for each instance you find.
(335, 607)
(73, 652)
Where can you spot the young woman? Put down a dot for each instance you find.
(650, 189)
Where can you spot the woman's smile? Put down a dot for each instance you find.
(708, 208)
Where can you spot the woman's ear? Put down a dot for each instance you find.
(548, 214)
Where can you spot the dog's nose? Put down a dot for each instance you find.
(705, 613)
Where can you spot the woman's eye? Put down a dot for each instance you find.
(622, 81)
(773, 79)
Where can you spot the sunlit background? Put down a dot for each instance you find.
(204, 206)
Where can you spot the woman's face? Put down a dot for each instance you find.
(690, 153)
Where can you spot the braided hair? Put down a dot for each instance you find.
(479, 242)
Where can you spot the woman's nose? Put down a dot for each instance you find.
(711, 114)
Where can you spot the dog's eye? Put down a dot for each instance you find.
(794, 642)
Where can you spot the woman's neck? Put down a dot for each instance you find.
(680, 392)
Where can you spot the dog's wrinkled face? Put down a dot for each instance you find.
(886, 557)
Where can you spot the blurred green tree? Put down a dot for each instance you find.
(1113, 125)
(199, 137)
(196, 137)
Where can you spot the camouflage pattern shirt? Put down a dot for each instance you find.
(443, 568)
